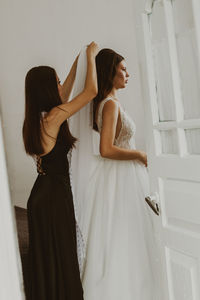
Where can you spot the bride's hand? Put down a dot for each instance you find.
(143, 158)
(92, 49)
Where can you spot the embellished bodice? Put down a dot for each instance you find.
(126, 137)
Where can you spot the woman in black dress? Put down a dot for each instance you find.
(53, 263)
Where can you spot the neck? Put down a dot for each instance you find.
(113, 93)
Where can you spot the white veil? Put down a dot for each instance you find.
(82, 160)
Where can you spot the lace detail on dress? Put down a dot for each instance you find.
(81, 249)
(126, 137)
(38, 161)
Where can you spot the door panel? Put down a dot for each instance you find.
(161, 60)
(193, 140)
(187, 49)
(183, 275)
(169, 141)
(172, 48)
(179, 198)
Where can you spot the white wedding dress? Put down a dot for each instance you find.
(117, 226)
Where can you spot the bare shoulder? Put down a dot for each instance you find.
(111, 106)
(57, 115)
(52, 114)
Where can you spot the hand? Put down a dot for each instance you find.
(92, 49)
(143, 158)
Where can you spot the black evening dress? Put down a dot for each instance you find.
(53, 263)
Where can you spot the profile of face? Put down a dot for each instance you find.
(120, 79)
(59, 85)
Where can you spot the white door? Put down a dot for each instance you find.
(172, 63)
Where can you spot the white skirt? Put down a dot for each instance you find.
(116, 223)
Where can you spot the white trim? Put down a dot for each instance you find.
(168, 125)
(149, 6)
(196, 13)
(185, 124)
(150, 68)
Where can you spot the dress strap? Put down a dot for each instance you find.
(101, 106)
(62, 109)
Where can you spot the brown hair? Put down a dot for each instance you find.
(41, 95)
(106, 65)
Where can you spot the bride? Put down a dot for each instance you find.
(119, 258)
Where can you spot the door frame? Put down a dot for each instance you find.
(11, 279)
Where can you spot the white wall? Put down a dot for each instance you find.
(52, 32)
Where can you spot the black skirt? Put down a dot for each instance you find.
(53, 263)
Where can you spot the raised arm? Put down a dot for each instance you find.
(108, 132)
(60, 113)
(69, 82)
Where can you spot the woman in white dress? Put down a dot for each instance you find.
(114, 218)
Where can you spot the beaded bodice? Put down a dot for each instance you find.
(126, 137)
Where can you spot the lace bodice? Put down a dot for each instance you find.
(126, 137)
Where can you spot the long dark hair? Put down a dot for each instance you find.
(41, 95)
(106, 65)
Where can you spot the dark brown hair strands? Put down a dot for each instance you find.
(41, 95)
(106, 64)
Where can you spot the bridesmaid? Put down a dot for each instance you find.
(53, 263)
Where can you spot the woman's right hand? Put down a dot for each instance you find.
(92, 49)
(143, 158)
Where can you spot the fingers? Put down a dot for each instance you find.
(92, 43)
(93, 48)
(144, 158)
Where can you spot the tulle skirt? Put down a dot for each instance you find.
(121, 251)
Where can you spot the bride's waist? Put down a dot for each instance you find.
(129, 145)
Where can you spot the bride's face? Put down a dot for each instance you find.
(121, 77)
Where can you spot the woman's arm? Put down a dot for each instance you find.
(108, 132)
(60, 113)
(69, 82)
